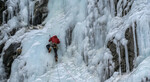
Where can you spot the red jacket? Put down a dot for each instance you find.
(54, 39)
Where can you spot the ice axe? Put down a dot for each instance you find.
(49, 35)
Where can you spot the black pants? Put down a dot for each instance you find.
(48, 46)
(55, 49)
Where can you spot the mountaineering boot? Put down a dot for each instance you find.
(49, 50)
(48, 47)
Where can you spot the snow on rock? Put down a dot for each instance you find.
(85, 29)
(141, 73)
(9, 56)
(40, 11)
(20, 9)
(33, 61)
(139, 26)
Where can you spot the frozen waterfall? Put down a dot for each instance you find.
(100, 40)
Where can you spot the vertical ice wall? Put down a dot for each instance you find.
(34, 60)
(73, 10)
(22, 9)
(137, 20)
(94, 32)
(64, 15)
(88, 23)
(142, 26)
(18, 14)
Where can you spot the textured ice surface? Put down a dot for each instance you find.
(93, 24)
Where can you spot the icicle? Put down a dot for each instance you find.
(124, 43)
(127, 59)
(4, 13)
(119, 9)
(135, 48)
(112, 7)
(124, 3)
(10, 12)
(119, 58)
(32, 11)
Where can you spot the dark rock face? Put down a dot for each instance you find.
(13, 31)
(145, 79)
(1, 47)
(130, 45)
(2, 8)
(124, 7)
(68, 38)
(9, 56)
(40, 12)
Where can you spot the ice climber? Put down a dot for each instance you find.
(54, 41)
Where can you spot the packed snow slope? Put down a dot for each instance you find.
(84, 28)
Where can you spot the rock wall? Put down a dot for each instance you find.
(122, 7)
(1, 48)
(9, 56)
(2, 8)
(40, 12)
(130, 45)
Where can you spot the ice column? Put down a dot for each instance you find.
(127, 59)
(119, 58)
(124, 43)
(31, 10)
(22, 9)
(135, 48)
(4, 13)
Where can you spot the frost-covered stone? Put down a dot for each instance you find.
(2, 8)
(40, 11)
(130, 45)
(85, 28)
(9, 56)
(1, 47)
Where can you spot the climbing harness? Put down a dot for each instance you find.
(69, 73)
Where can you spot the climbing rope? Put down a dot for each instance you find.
(58, 73)
(69, 73)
